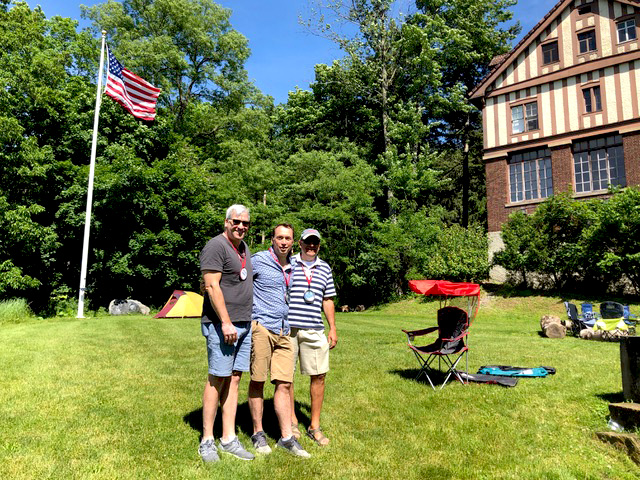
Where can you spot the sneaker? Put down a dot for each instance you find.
(208, 451)
(293, 447)
(235, 448)
(260, 443)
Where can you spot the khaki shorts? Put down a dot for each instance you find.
(270, 354)
(312, 347)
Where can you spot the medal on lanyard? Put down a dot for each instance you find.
(243, 260)
(308, 296)
(287, 278)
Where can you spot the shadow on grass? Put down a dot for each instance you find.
(437, 376)
(244, 422)
(617, 397)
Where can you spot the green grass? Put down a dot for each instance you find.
(120, 397)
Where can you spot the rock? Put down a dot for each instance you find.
(555, 330)
(586, 333)
(548, 319)
(344, 308)
(627, 442)
(552, 327)
(125, 307)
(360, 308)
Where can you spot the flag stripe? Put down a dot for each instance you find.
(134, 93)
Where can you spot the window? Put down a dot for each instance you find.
(530, 175)
(524, 117)
(550, 53)
(584, 10)
(599, 163)
(587, 41)
(626, 30)
(592, 101)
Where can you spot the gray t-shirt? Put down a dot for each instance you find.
(218, 255)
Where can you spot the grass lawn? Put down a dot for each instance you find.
(120, 397)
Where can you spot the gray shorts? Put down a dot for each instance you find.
(224, 359)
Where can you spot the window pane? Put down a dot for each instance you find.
(596, 97)
(550, 53)
(586, 93)
(518, 126)
(517, 113)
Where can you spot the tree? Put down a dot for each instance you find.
(186, 47)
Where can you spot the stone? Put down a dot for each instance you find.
(549, 319)
(627, 442)
(554, 330)
(125, 307)
(360, 308)
(626, 414)
(344, 308)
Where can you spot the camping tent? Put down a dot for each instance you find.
(182, 304)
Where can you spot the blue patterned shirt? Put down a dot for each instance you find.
(270, 308)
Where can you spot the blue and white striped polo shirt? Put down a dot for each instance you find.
(309, 315)
(269, 289)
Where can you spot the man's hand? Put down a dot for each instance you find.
(333, 338)
(229, 332)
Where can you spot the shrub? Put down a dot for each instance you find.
(593, 243)
(14, 311)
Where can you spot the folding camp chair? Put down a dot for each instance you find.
(578, 322)
(587, 311)
(610, 310)
(453, 327)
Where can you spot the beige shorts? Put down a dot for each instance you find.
(312, 348)
(270, 354)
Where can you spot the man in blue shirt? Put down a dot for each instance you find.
(271, 349)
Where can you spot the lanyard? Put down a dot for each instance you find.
(287, 278)
(304, 270)
(243, 258)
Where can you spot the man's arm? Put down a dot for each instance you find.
(329, 311)
(212, 287)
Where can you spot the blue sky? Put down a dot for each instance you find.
(283, 53)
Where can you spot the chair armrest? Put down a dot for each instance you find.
(416, 333)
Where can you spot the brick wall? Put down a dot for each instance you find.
(631, 145)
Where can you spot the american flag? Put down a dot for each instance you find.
(135, 94)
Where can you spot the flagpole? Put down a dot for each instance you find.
(92, 165)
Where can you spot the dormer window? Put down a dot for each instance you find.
(587, 41)
(550, 53)
(626, 30)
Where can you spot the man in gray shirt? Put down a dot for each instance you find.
(225, 262)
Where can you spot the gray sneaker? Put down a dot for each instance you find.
(259, 441)
(235, 448)
(293, 447)
(208, 451)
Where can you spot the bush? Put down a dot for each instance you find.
(576, 243)
(14, 311)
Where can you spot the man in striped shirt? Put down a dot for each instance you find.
(312, 291)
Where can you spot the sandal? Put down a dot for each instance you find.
(317, 436)
(295, 431)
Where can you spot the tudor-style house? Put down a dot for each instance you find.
(561, 111)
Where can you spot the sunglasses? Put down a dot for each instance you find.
(237, 221)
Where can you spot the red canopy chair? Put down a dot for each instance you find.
(458, 308)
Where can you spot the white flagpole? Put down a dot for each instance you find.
(92, 165)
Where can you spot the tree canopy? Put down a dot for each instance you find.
(372, 154)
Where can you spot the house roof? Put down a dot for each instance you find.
(501, 62)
